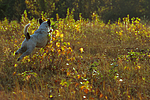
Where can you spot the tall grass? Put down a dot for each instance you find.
(85, 60)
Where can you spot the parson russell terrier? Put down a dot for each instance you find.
(39, 39)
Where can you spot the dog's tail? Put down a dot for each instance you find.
(26, 32)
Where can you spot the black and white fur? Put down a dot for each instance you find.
(39, 39)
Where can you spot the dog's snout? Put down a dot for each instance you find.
(51, 30)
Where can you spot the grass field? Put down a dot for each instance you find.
(86, 59)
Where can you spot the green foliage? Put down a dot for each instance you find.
(11, 9)
(106, 9)
(84, 60)
(37, 7)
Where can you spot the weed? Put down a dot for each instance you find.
(85, 60)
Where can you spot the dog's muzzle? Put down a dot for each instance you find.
(51, 30)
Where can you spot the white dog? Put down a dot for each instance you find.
(39, 39)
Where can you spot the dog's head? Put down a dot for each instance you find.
(44, 25)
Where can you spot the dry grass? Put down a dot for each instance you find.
(85, 60)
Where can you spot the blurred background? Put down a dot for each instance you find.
(106, 9)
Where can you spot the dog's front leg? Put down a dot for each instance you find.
(18, 51)
(21, 50)
(27, 52)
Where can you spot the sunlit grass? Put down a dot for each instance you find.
(85, 60)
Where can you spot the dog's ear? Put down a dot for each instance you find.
(40, 21)
(49, 22)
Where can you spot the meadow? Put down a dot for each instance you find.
(86, 59)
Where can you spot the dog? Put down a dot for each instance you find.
(39, 39)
